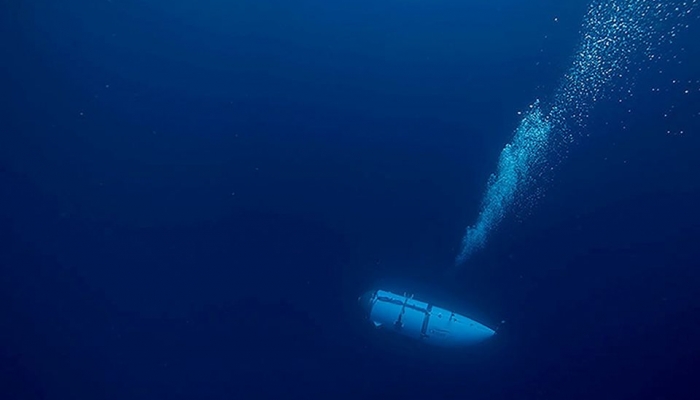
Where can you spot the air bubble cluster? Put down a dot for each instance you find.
(618, 38)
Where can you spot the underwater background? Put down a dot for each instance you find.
(193, 194)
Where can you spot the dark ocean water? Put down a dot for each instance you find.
(194, 193)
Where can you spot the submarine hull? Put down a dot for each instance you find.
(422, 321)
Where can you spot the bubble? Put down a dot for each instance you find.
(618, 38)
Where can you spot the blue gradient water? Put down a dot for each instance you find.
(193, 193)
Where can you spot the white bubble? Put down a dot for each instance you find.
(617, 37)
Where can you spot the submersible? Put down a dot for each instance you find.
(425, 322)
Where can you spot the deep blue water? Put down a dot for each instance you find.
(194, 193)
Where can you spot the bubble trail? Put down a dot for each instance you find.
(515, 165)
(617, 35)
